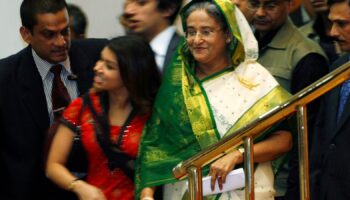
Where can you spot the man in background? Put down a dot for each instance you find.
(153, 20)
(329, 155)
(293, 59)
(318, 29)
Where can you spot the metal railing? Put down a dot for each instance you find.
(297, 103)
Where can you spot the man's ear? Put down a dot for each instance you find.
(26, 34)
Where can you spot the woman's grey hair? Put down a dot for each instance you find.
(211, 9)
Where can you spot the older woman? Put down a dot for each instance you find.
(212, 88)
(111, 118)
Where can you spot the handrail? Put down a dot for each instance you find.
(265, 121)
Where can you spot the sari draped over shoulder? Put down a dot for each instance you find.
(191, 114)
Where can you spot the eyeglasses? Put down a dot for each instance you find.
(267, 5)
(204, 33)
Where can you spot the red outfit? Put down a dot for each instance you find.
(115, 184)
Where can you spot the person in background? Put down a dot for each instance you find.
(299, 12)
(319, 30)
(211, 90)
(77, 22)
(26, 103)
(244, 6)
(153, 20)
(293, 59)
(329, 160)
(111, 118)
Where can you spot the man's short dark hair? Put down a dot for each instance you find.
(78, 19)
(174, 4)
(30, 8)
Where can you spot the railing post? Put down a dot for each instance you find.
(304, 183)
(249, 168)
(195, 183)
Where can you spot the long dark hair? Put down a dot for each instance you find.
(138, 70)
(141, 78)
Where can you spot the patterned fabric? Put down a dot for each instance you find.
(115, 184)
(182, 122)
(344, 95)
(253, 102)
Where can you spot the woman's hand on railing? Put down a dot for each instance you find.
(221, 167)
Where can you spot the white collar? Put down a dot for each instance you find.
(160, 43)
(44, 66)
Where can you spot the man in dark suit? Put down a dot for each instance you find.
(153, 20)
(329, 156)
(25, 95)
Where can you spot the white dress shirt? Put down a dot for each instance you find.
(44, 67)
(160, 44)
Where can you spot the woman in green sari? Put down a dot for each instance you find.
(213, 87)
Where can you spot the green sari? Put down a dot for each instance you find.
(182, 122)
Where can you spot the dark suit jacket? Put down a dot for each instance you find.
(330, 150)
(24, 119)
(174, 42)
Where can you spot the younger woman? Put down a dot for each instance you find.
(109, 120)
